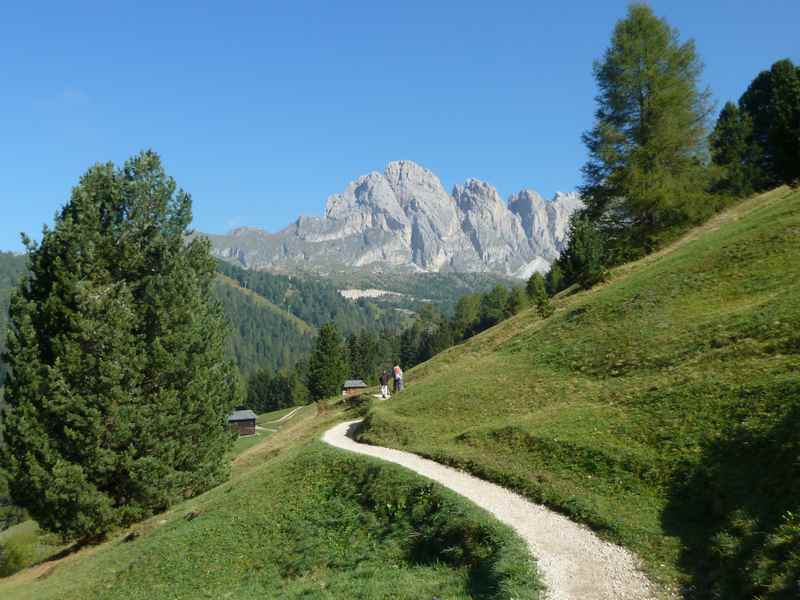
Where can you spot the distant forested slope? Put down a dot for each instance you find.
(275, 317)
(313, 299)
(262, 334)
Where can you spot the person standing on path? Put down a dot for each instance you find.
(398, 379)
(384, 379)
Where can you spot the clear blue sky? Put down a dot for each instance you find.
(262, 109)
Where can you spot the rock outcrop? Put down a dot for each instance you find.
(404, 218)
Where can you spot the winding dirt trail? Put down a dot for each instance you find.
(573, 562)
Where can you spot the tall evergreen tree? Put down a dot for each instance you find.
(784, 135)
(736, 152)
(493, 306)
(327, 365)
(554, 279)
(582, 261)
(646, 148)
(467, 316)
(772, 101)
(259, 390)
(119, 386)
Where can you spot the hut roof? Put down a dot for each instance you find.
(241, 415)
(354, 383)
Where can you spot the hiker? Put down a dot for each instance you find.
(384, 379)
(398, 379)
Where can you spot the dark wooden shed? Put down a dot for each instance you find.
(353, 387)
(243, 421)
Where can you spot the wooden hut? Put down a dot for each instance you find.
(243, 421)
(353, 387)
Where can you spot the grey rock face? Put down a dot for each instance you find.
(404, 218)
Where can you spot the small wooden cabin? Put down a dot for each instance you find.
(243, 421)
(353, 387)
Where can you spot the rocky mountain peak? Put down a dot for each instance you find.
(404, 218)
(475, 194)
(407, 177)
(525, 202)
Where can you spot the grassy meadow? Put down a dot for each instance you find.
(661, 408)
(299, 519)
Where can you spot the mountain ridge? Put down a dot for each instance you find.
(403, 219)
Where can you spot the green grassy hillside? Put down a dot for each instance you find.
(662, 408)
(299, 520)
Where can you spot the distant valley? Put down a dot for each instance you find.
(404, 220)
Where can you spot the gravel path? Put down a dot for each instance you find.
(574, 563)
(286, 417)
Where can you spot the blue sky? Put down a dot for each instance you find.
(262, 109)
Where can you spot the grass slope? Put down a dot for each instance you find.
(300, 520)
(662, 408)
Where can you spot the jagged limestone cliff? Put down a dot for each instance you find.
(403, 218)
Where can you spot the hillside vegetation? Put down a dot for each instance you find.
(261, 333)
(299, 520)
(661, 408)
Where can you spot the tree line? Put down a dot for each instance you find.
(365, 354)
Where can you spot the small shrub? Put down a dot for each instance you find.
(17, 553)
(544, 307)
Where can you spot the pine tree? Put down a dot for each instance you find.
(536, 287)
(757, 144)
(645, 171)
(582, 261)
(784, 134)
(736, 152)
(259, 386)
(554, 279)
(119, 387)
(327, 365)
(467, 316)
(493, 306)
(537, 292)
(772, 102)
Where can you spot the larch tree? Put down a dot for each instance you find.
(119, 386)
(647, 147)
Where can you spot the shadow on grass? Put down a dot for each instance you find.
(738, 512)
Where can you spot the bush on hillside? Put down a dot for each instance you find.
(17, 552)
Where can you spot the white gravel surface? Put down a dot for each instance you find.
(573, 562)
